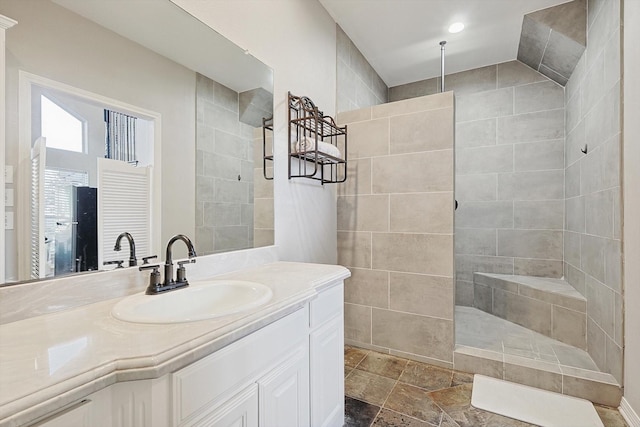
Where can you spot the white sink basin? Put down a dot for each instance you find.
(199, 301)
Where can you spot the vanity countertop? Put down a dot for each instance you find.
(49, 361)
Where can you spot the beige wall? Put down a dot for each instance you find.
(631, 229)
(395, 228)
(118, 69)
(592, 238)
(297, 38)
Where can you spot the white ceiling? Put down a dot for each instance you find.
(400, 38)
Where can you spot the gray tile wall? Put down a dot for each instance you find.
(395, 228)
(509, 172)
(263, 201)
(592, 258)
(358, 85)
(224, 171)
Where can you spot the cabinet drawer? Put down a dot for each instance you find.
(198, 386)
(328, 304)
(78, 415)
(240, 410)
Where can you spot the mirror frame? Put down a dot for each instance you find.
(5, 24)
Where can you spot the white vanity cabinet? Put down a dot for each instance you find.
(326, 359)
(286, 374)
(274, 359)
(277, 399)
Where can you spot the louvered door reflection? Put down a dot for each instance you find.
(124, 204)
(38, 252)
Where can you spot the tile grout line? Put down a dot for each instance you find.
(387, 398)
(405, 415)
(421, 388)
(362, 360)
(544, 50)
(443, 412)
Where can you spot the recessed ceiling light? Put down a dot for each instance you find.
(456, 27)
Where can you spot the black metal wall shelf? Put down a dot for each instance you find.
(317, 143)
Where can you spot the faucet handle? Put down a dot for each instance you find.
(145, 260)
(154, 278)
(181, 273)
(114, 262)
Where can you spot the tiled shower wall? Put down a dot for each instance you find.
(358, 84)
(224, 171)
(509, 177)
(509, 171)
(395, 228)
(263, 219)
(592, 248)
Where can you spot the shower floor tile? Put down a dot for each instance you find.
(477, 329)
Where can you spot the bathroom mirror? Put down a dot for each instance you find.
(197, 101)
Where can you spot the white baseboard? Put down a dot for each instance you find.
(629, 415)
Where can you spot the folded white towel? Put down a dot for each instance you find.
(309, 144)
(304, 144)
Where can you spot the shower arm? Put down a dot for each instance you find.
(442, 43)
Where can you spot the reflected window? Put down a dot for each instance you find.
(62, 129)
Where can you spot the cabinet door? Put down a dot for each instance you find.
(284, 392)
(133, 403)
(239, 411)
(211, 380)
(327, 374)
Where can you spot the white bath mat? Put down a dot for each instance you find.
(532, 405)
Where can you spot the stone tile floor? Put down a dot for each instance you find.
(384, 391)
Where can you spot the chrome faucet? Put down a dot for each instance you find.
(155, 284)
(132, 248)
(181, 279)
